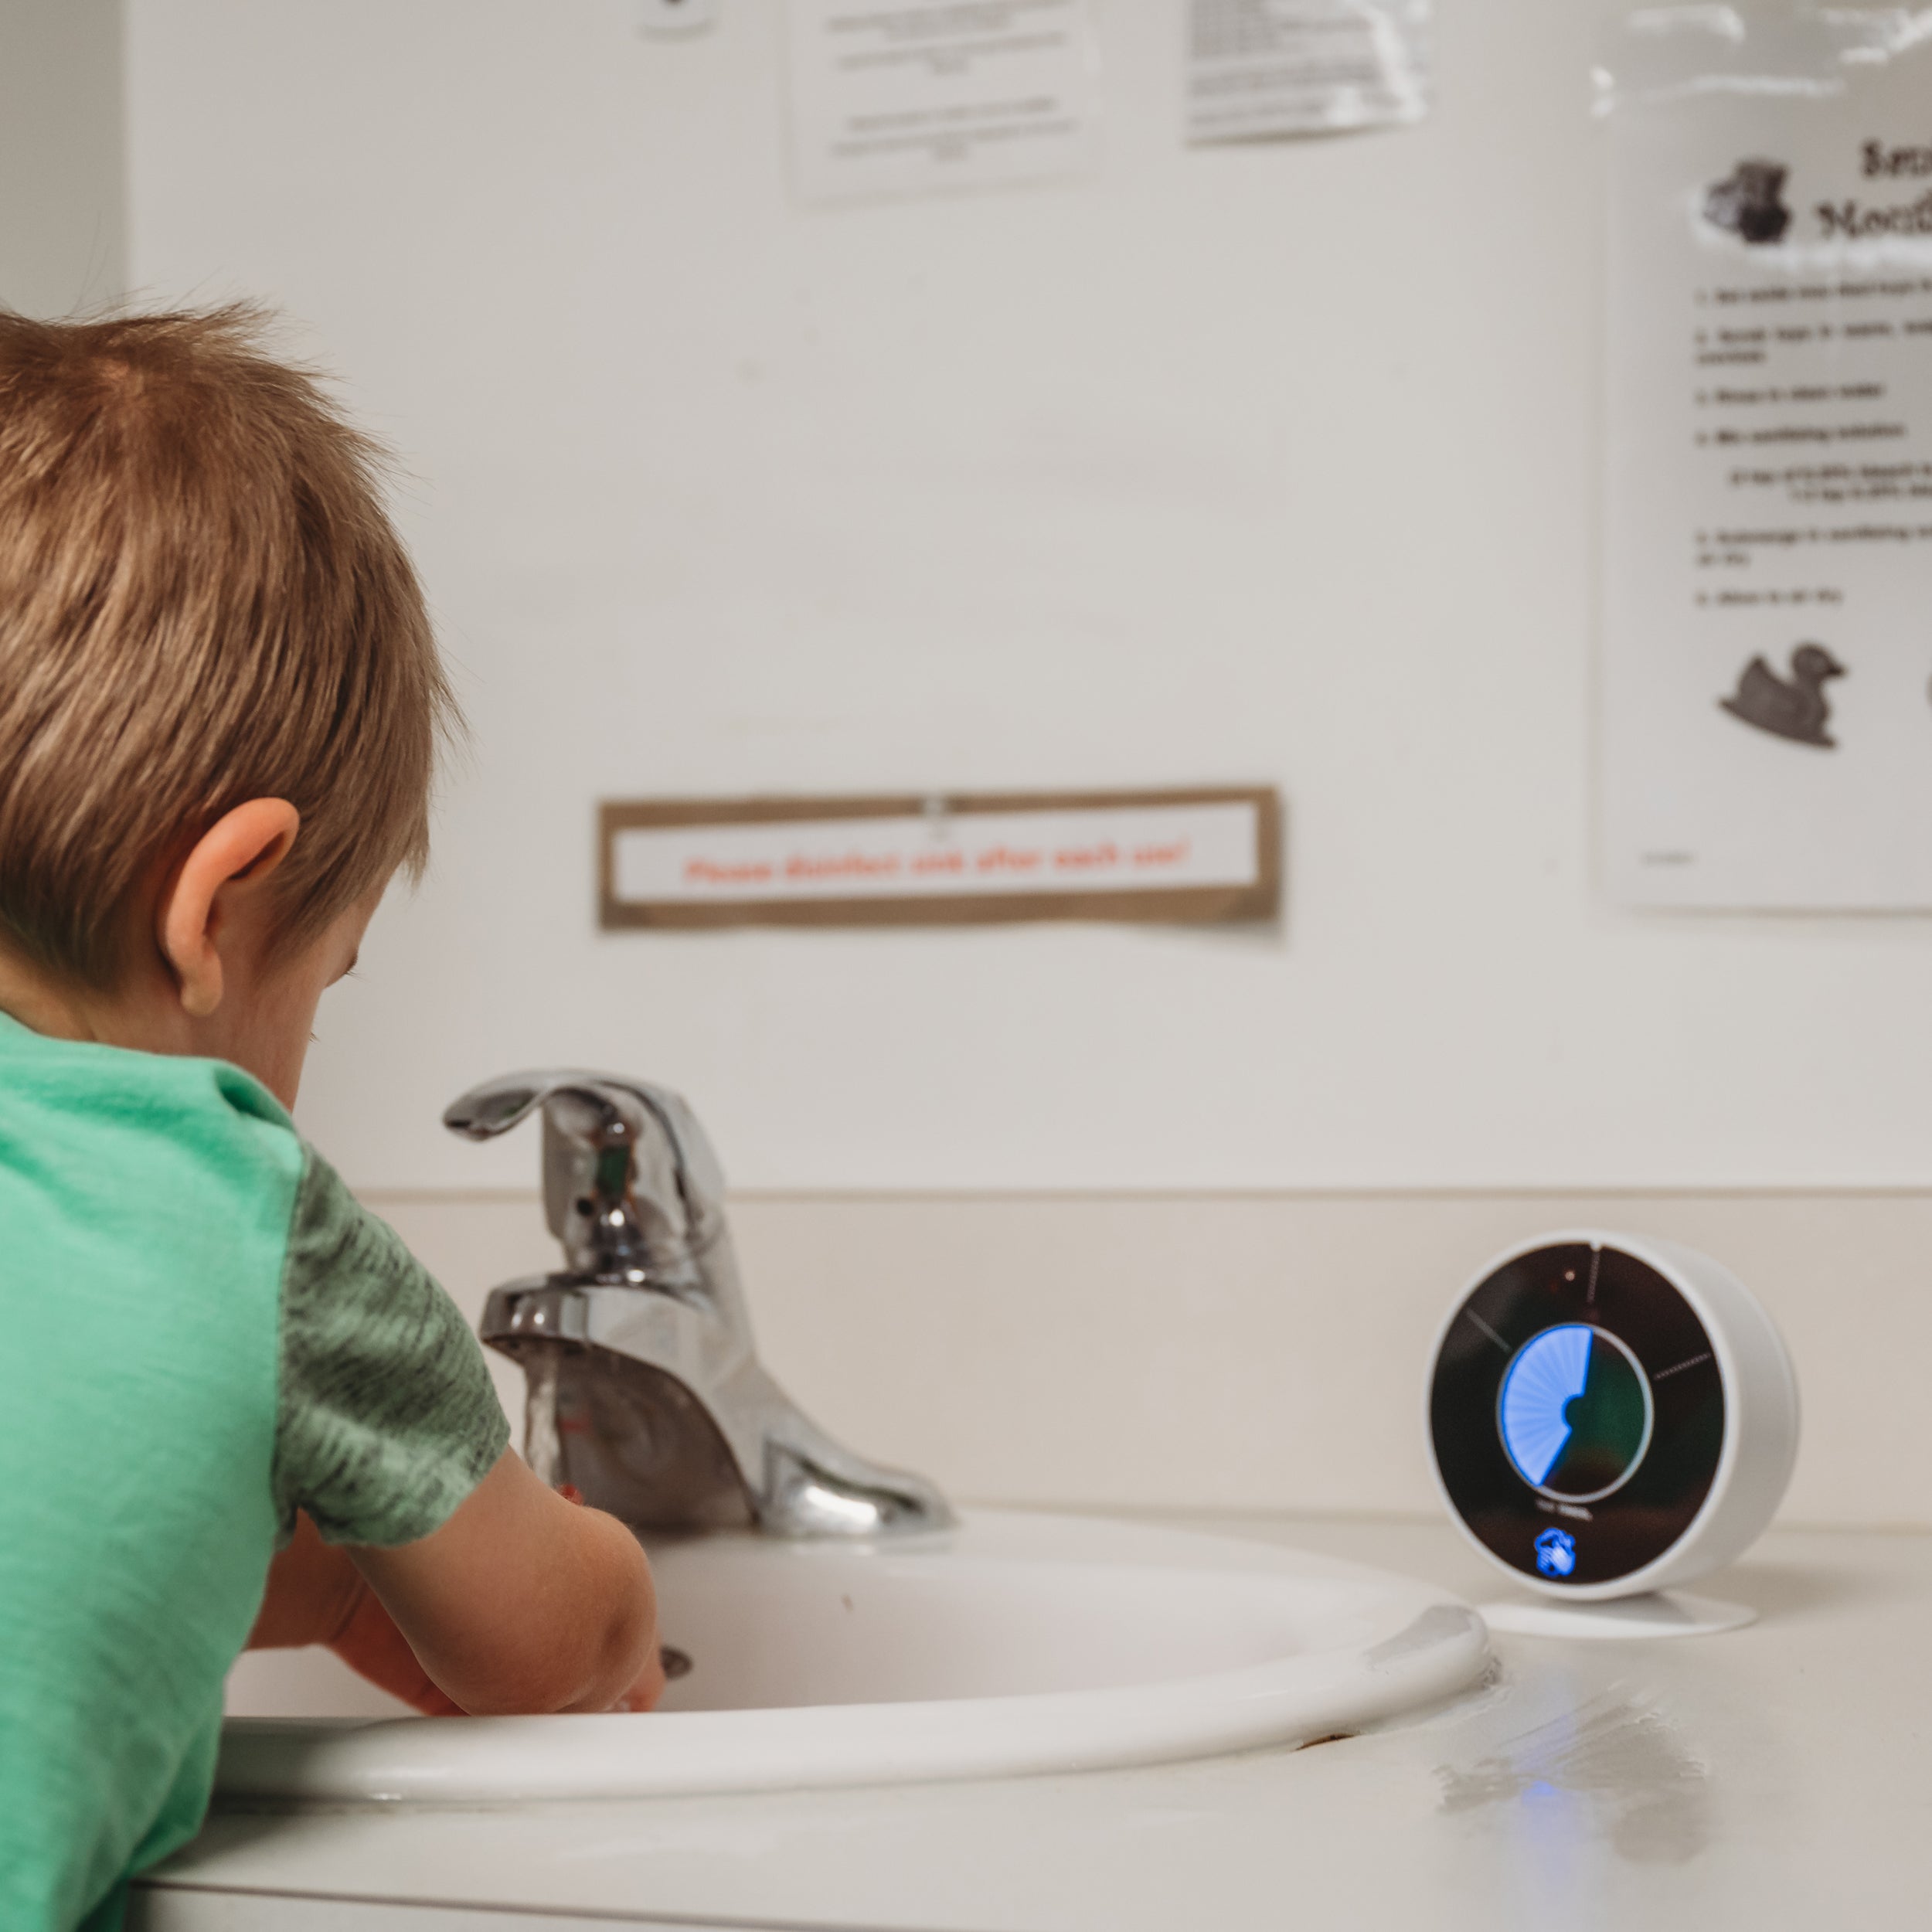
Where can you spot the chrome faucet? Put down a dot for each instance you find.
(644, 1390)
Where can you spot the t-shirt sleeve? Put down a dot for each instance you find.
(387, 1418)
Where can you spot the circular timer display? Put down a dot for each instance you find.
(1577, 1414)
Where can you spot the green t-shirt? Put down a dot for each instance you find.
(200, 1333)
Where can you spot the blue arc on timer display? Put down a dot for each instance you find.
(1574, 1412)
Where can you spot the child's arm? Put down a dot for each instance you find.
(519, 1603)
(389, 1434)
(524, 1602)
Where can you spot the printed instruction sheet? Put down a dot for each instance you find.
(1261, 67)
(919, 97)
(1767, 626)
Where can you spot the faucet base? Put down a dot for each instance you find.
(632, 1438)
(635, 1438)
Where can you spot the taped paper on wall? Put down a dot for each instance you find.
(1261, 67)
(1767, 620)
(919, 96)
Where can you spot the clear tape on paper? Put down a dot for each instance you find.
(1257, 68)
(1767, 572)
(1659, 54)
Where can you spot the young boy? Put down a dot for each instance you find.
(219, 707)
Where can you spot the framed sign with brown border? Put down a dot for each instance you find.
(1191, 854)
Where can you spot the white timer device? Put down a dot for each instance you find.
(1610, 1417)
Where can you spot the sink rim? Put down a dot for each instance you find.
(1417, 1645)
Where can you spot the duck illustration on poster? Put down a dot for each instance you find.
(1794, 707)
(1749, 202)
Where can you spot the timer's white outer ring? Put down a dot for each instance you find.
(1761, 1415)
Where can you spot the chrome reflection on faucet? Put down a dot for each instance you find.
(645, 1391)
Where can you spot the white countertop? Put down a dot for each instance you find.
(1777, 1775)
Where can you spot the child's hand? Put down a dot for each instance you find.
(643, 1695)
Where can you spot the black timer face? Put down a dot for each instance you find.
(1577, 1414)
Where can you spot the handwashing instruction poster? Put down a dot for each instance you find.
(1767, 588)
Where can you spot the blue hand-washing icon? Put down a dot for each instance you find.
(1556, 1552)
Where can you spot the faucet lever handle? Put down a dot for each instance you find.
(630, 1182)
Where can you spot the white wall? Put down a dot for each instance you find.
(63, 196)
(1264, 1352)
(1267, 463)
(1272, 463)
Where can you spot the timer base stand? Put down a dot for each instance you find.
(1661, 1613)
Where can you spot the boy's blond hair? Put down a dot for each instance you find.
(202, 601)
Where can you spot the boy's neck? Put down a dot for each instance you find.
(129, 1016)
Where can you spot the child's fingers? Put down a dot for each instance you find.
(643, 1695)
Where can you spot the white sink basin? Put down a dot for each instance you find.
(1014, 1643)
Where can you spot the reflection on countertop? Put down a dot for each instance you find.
(1773, 1776)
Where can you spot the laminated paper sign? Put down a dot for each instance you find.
(1164, 856)
(1260, 67)
(918, 97)
(1767, 619)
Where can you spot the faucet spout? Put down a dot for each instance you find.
(646, 1391)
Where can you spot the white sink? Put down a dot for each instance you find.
(1014, 1643)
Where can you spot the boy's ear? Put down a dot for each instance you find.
(219, 878)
